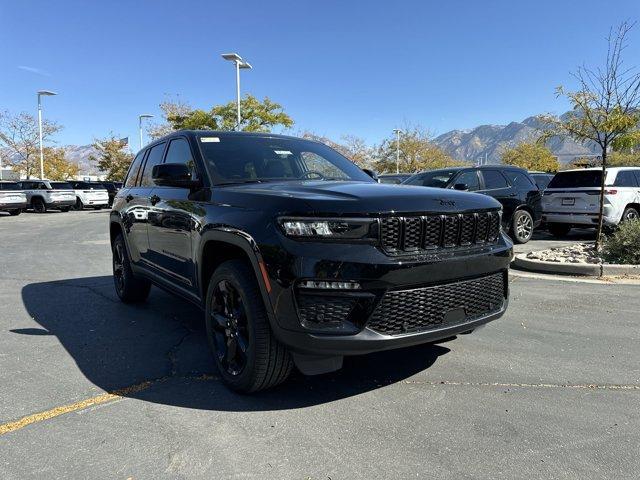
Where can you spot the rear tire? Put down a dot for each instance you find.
(521, 226)
(130, 289)
(65, 209)
(630, 214)
(97, 208)
(248, 356)
(559, 229)
(38, 205)
(15, 213)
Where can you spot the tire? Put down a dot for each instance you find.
(521, 226)
(79, 205)
(65, 209)
(248, 356)
(630, 214)
(559, 229)
(38, 205)
(130, 289)
(15, 212)
(97, 208)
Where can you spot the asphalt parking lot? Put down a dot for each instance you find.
(92, 388)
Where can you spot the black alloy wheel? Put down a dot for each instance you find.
(231, 333)
(38, 205)
(130, 289)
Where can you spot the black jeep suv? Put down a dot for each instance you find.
(298, 257)
(513, 187)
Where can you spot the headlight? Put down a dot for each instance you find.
(354, 229)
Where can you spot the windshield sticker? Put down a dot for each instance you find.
(209, 139)
(282, 152)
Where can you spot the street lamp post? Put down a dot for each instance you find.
(240, 64)
(397, 131)
(40, 94)
(140, 117)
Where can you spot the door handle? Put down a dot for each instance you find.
(154, 199)
(128, 198)
(512, 194)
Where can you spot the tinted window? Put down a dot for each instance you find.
(61, 186)
(576, 179)
(519, 179)
(542, 181)
(625, 178)
(637, 174)
(470, 179)
(43, 186)
(494, 179)
(179, 152)
(436, 178)
(237, 159)
(154, 158)
(9, 186)
(133, 170)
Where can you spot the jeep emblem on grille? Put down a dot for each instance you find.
(448, 203)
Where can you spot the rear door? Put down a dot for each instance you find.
(627, 191)
(173, 216)
(496, 185)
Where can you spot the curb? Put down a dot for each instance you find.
(582, 269)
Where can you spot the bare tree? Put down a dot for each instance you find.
(605, 107)
(19, 136)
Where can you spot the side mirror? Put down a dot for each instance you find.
(461, 186)
(372, 174)
(173, 175)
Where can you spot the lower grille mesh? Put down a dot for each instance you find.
(407, 311)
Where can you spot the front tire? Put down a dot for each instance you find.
(248, 356)
(15, 213)
(130, 289)
(559, 229)
(38, 205)
(521, 226)
(79, 204)
(65, 209)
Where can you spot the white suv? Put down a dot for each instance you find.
(90, 195)
(572, 198)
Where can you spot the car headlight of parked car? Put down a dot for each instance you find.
(345, 229)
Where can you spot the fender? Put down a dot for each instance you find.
(244, 241)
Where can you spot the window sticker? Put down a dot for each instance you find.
(209, 139)
(282, 152)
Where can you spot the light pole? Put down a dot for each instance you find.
(140, 117)
(40, 94)
(240, 63)
(397, 131)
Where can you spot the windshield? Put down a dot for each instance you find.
(61, 186)
(576, 179)
(9, 186)
(245, 159)
(436, 178)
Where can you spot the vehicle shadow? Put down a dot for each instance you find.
(116, 345)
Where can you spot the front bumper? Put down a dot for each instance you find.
(377, 274)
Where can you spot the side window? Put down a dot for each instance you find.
(493, 179)
(519, 179)
(469, 178)
(133, 170)
(42, 186)
(415, 180)
(179, 152)
(625, 178)
(637, 174)
(154, 158)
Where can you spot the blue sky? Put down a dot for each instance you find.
(338, 67)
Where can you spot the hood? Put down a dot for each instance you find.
(352, 198)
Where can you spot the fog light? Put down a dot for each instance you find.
(323, 285)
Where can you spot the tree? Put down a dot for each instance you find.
(19, 136)
(417, 153)
(605, 107)
(256, 116)
(56, 166)
(531, 156)
(112, 157)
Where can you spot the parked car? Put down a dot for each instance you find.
(90, 194)
(12, 198)
(298, 257)
(395, 178)
(513, 187)
(43, 195)
(542, 179)
(573, 198)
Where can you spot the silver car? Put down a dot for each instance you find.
(45, 194)
(12, 198)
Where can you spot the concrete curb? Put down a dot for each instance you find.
(582, 269)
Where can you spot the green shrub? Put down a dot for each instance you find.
(624, 245)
